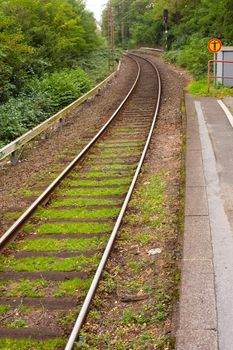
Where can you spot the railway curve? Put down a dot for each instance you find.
(59, 244)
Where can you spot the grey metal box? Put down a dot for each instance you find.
(225, 69)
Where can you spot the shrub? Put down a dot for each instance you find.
(194, 56)
(40, 99)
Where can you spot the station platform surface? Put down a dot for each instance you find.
(206, 296)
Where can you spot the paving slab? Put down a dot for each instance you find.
(198, 243)
(194, 169)
(197, 340)
(198, 311)
(196, 201)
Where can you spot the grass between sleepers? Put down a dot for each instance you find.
(48, 263)
(110, 167)
(97, 174)
(119, 151)
(71, 227)
(24, 344)
(93, 191)
(84, 202)
(115, 155)
(107, 182)
(4, 308)
(76, 213)
(40, 288)
(72, 244)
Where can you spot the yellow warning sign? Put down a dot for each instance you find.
(214, 45)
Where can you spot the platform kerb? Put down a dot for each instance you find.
(197, 315)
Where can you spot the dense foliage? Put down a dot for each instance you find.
(191, 24)
(50, 54)
(41, 36)
(41, 97)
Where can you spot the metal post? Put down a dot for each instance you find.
(209, 76)
(61, 123)
(14, 158)
(215, 70)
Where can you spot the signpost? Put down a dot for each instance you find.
(214, 45)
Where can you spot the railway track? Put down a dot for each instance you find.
(46, 272)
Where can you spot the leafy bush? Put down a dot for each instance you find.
(40, 99)
(61, 88)
(43, 97)
(193, 57)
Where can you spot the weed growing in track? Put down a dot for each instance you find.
(105, 182)
(39, 288)
(42, 263)
(93, 191)
(24, 344)
(73, 228)
(77, 213)
(72, 244)
(4, 308)
(84, 202)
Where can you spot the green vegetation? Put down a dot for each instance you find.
(24, 288)
(47, 263)
(111, 167)
(151, 197)
(40, 288)
(200, 87)
(51, 53)
(93, 191)
(17, 324)
(71, 227)
(72, 244)
(77, 213)
(23, 344)
(69, 287)
(191, 24)
(4, 308)
(83, 202)
(107, 182)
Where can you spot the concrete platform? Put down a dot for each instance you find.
(206, 301)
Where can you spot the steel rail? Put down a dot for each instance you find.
(83, 312)
(27, 214)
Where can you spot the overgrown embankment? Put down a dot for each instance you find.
(41, 97)
(51, 52)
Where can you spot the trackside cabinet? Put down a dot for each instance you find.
(225, 69)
